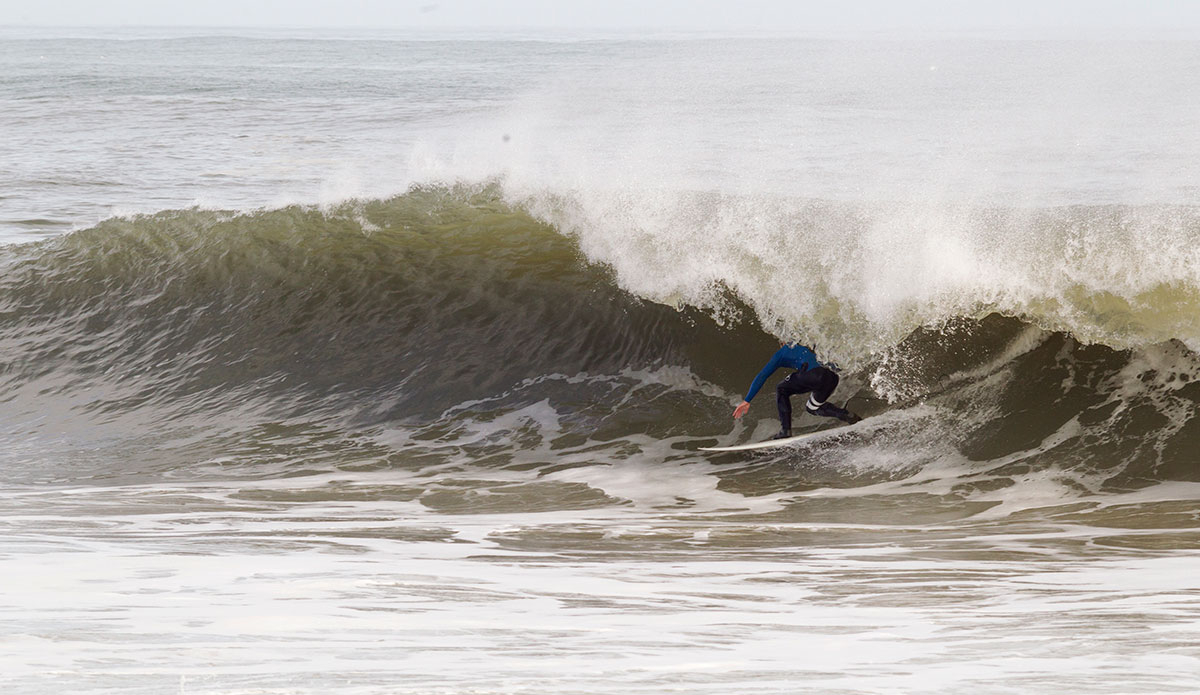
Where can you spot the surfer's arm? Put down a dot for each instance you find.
(759, 380)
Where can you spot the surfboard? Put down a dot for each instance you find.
(776, 443)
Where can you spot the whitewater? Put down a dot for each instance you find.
(378, 363)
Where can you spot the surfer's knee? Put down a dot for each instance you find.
(783, 390)
(827, 381)
(826, 384)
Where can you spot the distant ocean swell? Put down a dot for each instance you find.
(1036, 339)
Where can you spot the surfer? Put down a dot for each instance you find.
(810, 376)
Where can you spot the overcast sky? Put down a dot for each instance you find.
(1167, 18)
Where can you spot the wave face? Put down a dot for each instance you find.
(410, 304)
(465, 326)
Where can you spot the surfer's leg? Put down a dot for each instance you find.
(824, 381)
(783, 400)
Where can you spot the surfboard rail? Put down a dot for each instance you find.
(777, 443)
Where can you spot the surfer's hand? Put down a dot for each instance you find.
(739, 411)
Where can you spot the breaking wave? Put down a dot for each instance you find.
(1008, 340)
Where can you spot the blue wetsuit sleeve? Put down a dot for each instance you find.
(762, 376)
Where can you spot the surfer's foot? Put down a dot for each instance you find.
(831, 410)
(783, 434)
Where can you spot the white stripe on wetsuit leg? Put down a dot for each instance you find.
(813, 404)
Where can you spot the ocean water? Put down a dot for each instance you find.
(379, 363)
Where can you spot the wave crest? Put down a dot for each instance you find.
(855, 279)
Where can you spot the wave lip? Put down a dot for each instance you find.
(856, 278)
